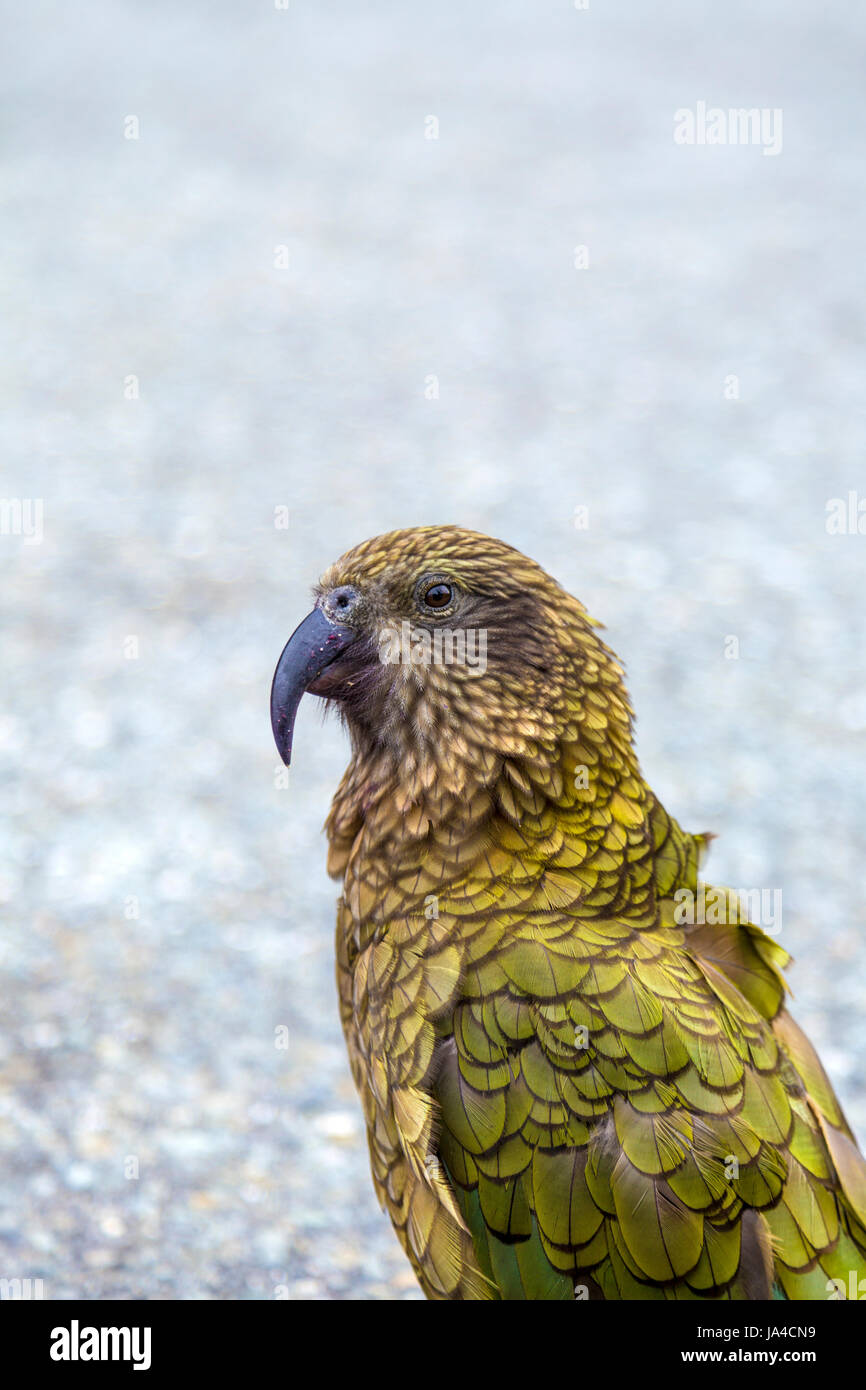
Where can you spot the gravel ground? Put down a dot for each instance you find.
(252, 306)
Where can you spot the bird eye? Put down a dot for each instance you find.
(438, 595)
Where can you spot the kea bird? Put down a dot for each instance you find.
(576, 1084)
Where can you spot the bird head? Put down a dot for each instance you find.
(443, 647)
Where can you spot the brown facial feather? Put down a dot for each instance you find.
(540, 645)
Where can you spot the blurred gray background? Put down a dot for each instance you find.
(251, 306)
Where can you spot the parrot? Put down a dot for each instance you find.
(578, 1081)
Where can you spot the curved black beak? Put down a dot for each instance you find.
(312, 646)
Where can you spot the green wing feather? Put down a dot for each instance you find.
(632, 1113)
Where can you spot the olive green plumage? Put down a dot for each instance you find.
(568, 1091)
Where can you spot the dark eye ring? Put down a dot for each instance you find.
(438, 595)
